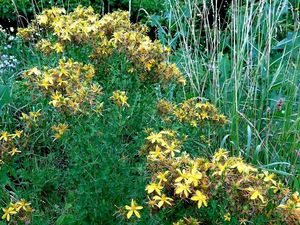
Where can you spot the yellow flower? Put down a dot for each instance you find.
(58, 48)
(243, 221)
(163, 200)
(171, 149)
(194, 177)
(204, 115)
(42, 19)
(120, 98)
(162, 176)
(269, 177)
(182, 176)
(154, 137)
(56, 99)
(200, 198)
(33, 71)
(18, 133)
(243, 167)
(35, 115)
(151, 202)
(277, 187)
(60, 130)
(183, 188)
(22, 204)
(222, 169)
(154, 187)
(14, 151)
(8, 212)
(220, 154)
(254, 194)
(157, 154)
(227, 217)
(133, 209)
(4, 136)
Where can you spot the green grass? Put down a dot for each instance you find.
(245, 67)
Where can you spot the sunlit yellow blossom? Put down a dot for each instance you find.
(133, 209)
(278, 186)
(254, 194)
(34, 71)
(163, 200)
(56, 99)
(24, 205)
(42, 19)
(227, 217)
(172, 149)
(163, 176)
(157, 154)
(14, 151)
(120, 98)
(200, 198)
(4, 136)
(154, 187)
(220, 154)
(194, 177)
(183, 189)
(183, 176)
(18, 133)
(154, 137)
(8, 212)
(221, 169)
(269, 177)
(58, 48)
(244, 168)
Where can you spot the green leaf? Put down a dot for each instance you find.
(5, 95)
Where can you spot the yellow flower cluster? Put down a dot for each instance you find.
(19, 210)
(147, 56)
(47, 47)
(69, 86)
(49, 16)
(8, 144)
(27, 33)
(111, 33)
(291, 208)
(120, 98)
(31, 118)
(12, 143)
(77, 26)
(59, 130)
(191, 111)
(181, 178)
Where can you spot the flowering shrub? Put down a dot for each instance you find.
(81, 165)
(113, 33)
(244, 192)
(191, 111)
